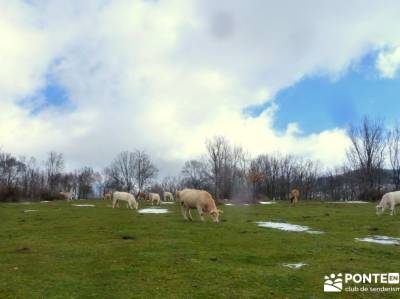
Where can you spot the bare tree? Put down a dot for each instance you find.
(194, 175)
(54, 166)
(10, 169)
(85, 182)
(122, 170)
(394, 154)
(218, 150)
(366, 154)
(144, 170)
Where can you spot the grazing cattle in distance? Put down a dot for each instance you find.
(167, 196)
(124, 196)
(67, 195)
(200, 200)
(389, 201)
(141, 196)
(294, 196)
(155, 197)
(107, 195)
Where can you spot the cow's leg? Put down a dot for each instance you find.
(113, 203)
(392, 210)
(200, 211)
(190, 215)
(183, 209)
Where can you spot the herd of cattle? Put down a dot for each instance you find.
(205, 204)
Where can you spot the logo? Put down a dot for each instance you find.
(362, 282)
(393, 278)
(333, 283)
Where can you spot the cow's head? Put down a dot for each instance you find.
(379, 210)
(215, 215)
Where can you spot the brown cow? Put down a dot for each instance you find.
(141, 196)
(294, 196)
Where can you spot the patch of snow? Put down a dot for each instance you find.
(153, 211)
(27, 211)
(295, 266)
(43, 201)
(167, 202)
(380, 240)
(83, 205)
(267, 202)
(352, 201)
(229, 204)
(287, 227)
(314, 232)
(283, 226)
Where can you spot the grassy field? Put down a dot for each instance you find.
(62, 251)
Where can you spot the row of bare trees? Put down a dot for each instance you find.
(227, 171)
(26, 178)
(230, 173)
(22, 178)
(372, 168)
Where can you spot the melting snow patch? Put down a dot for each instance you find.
(314, 232)
(245, 204)
(27, 211)
(82, 205)
(380, 240)
(229, 204)
(295, 266)
(283, 226)
(288, 227)
(267, 202)
(167, 202)
(45, 201)
(153, 211)
(353, 201)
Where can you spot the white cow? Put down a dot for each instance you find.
(200, 200)
(389, 200)
(67, 195)
(154, 197)
(167, 196)
(124, 196)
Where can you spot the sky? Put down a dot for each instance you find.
(93, 78)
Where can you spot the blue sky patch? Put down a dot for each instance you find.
(319, 103)
(52, 95)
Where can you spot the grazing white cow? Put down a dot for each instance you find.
(154, 197)
(67, 195)
(167, 196)
(124, 196)
(389, 200)
(200, 200)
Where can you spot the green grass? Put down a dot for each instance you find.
(63, 251)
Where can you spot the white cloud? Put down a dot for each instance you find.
(389, 62)
(165, 75)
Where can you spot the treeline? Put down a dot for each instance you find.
(227, 171)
